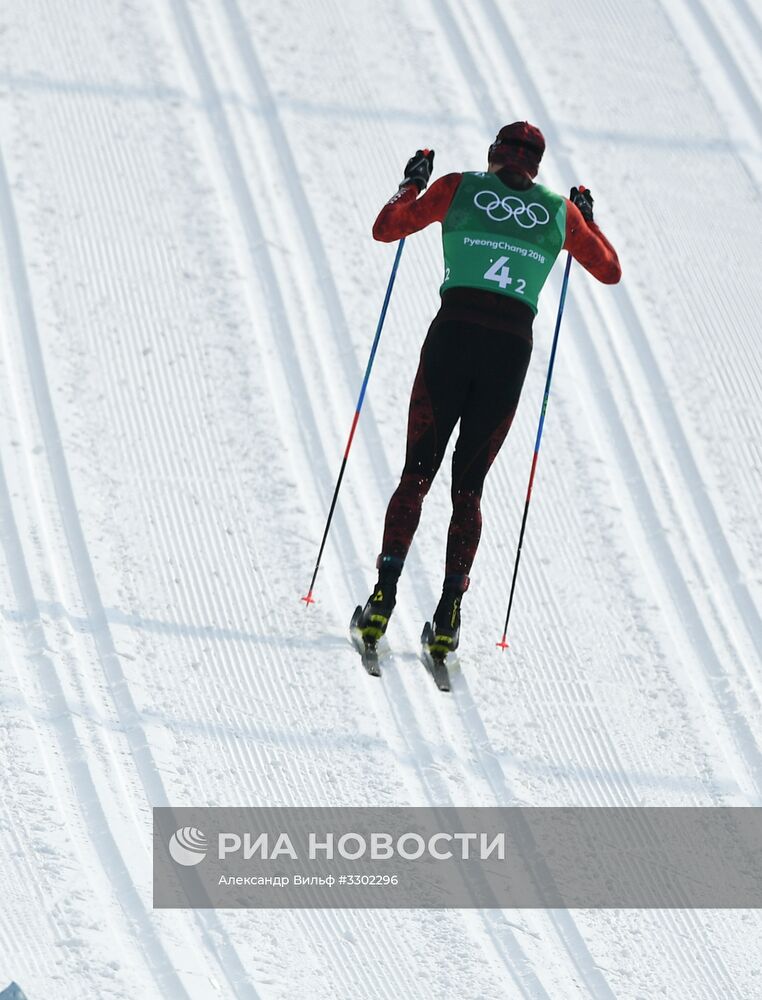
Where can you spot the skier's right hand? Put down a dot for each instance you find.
(418, 169)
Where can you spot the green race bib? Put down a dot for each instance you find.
(500, 239)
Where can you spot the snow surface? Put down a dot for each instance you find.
(188, 292)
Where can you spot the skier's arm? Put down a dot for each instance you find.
(405, 213)
(589, 246)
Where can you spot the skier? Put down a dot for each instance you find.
(501, 234)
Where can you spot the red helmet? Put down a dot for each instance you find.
(519, 147)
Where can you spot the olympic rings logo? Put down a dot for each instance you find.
(501, 209)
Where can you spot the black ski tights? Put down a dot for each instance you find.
(472, 373)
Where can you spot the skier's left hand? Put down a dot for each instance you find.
(582, 197)
(418, 169)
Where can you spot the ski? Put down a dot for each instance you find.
(435, 658)
(368, 650)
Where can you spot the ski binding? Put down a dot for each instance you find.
(436, 657)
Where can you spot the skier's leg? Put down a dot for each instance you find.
(487, 416)
(438, 392)
(486, 420)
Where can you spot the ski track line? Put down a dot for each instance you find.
(247, 211)
(471, 73)
(573, 680)
(400, 706)
(302, 207)
(255, 240)
(73, 752)
(653, 378)
(648, 362)
(574, 691)
(706, 653)
(168, 431)
(318, 258)
(254, 235)
(563, 921)
(729, 64)
(675, 591)
(274, 664)
(294, 750)
(699, 632)
(687, 21)
(44, 893)
(257, 248)
(613, 785)
(562, 926)
(29, 952)
(475, 735)
(113, 673)
(740, 647)
(207, 920)
(189, 549)
(612, 407)
(280, 142)
(752, 25)
(502, 788)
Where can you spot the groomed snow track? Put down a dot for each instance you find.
(188, 291)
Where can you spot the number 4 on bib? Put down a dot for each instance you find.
(499, 272)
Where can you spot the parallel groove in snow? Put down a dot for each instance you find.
(76, 759)
(729, 61)
(304, 215)
(97, 620)
(257, 246)
(62, 752)
(473, 73)
(227, 694)
(599, 748)
(303, 212)
(707, 51)
(728, 566)
(255, 237)
(749, 748)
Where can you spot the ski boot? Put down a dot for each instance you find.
(446, 623)
(368, 624)
(441, 637)
(375, 616)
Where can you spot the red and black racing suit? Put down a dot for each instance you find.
(472, 368)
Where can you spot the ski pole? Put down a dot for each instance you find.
(309, 599)
(503, 644)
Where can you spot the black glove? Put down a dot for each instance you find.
(418, 169)
(583, 199)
